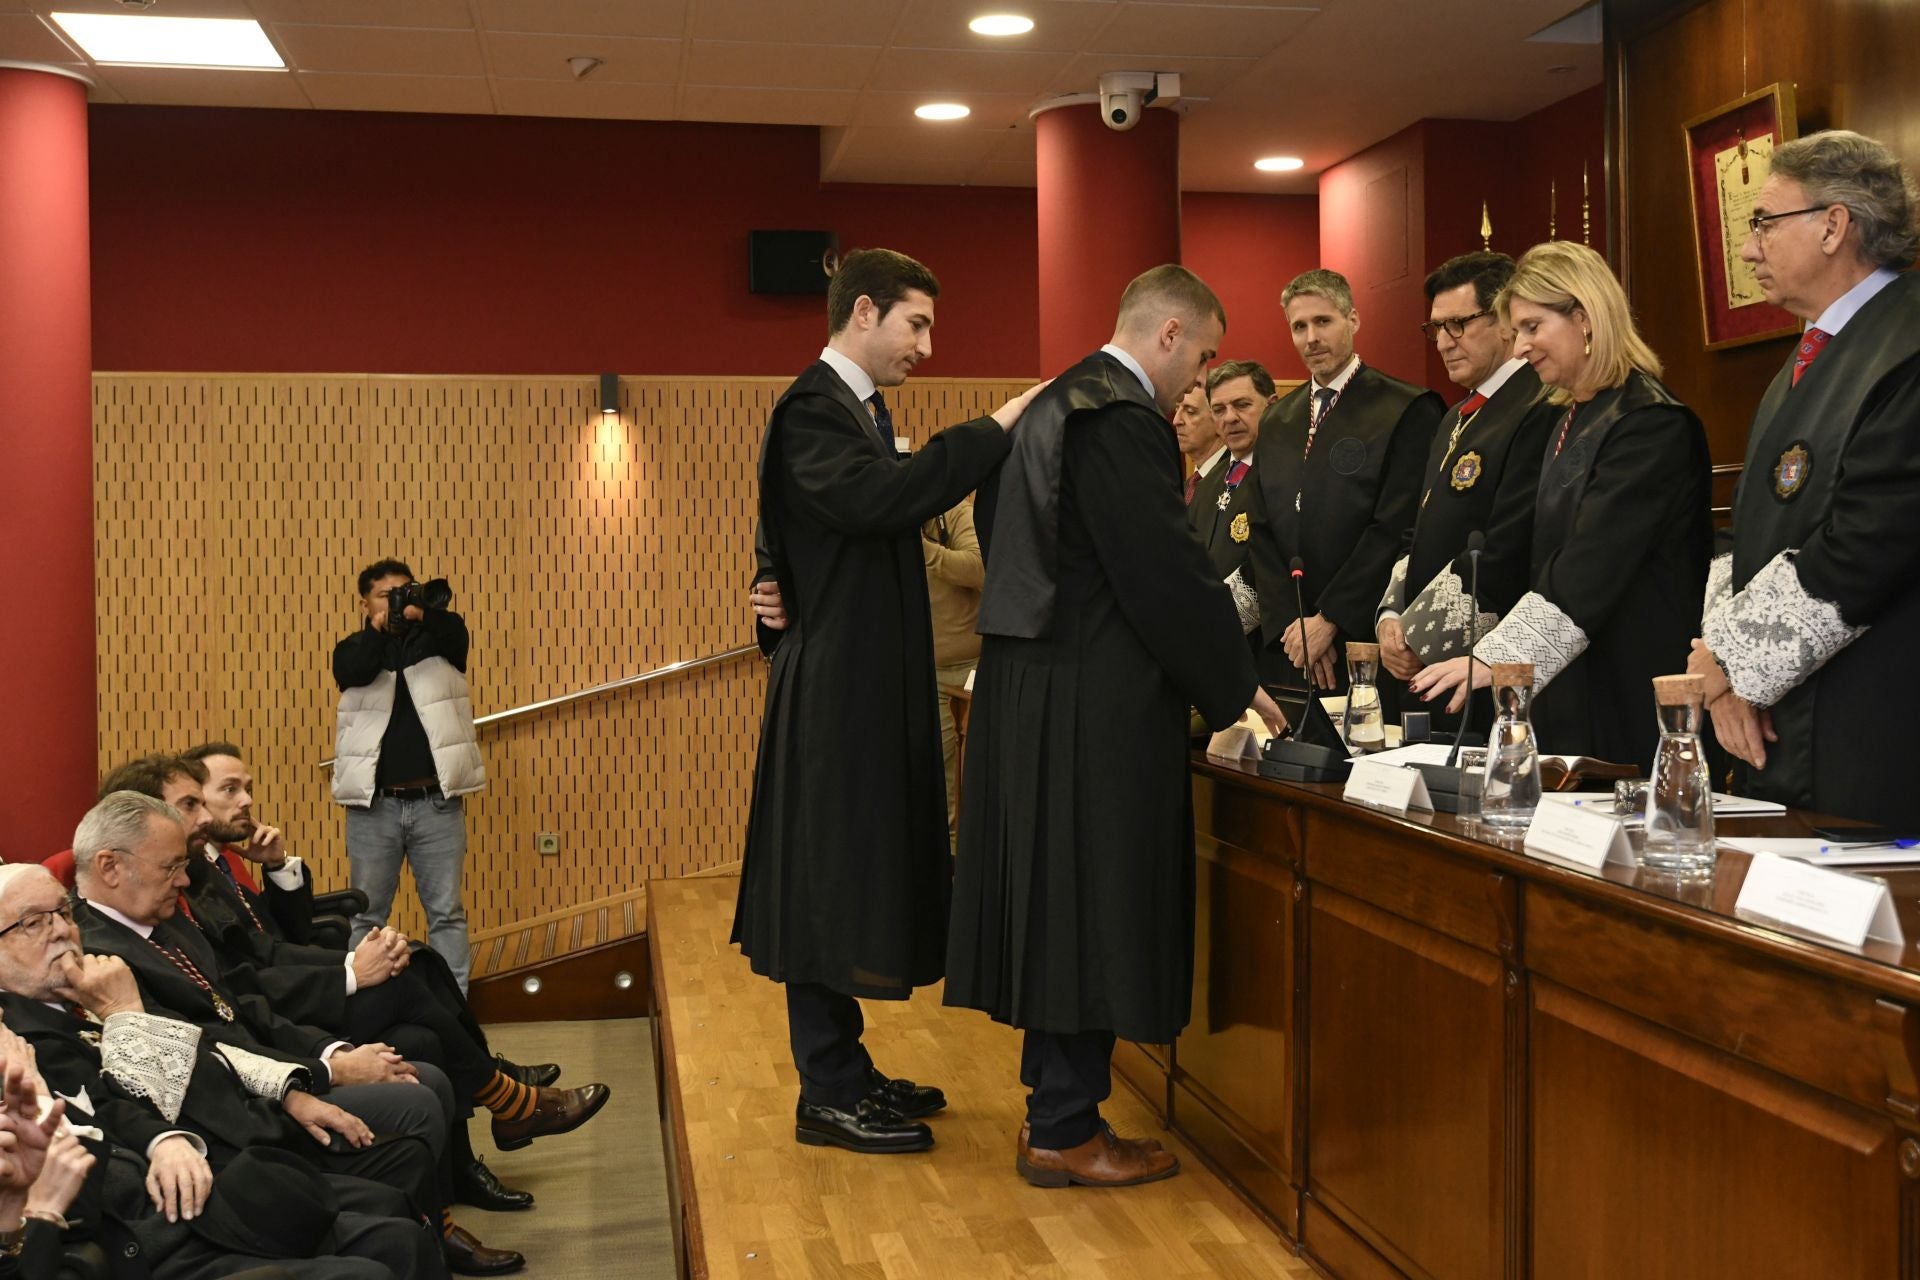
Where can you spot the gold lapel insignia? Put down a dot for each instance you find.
(1790, 473)
(1239, 530)
(1466, 472)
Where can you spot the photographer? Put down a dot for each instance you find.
(405, 753)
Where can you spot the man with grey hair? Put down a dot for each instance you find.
(1339, 465)
(1809, 621)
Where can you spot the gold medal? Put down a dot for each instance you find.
(221, 1007)
(1466, 472)
(1239, 530)
(1790, 473)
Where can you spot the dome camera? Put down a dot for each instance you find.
(1125, 96)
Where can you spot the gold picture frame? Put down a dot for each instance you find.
(1722, 147)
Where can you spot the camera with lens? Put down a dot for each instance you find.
(432, 594)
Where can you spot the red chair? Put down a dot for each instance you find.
(61, 864)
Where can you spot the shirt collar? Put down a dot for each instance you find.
(1132, 364)
(1341, 379)
(1248, 459)
(1499, 377)
(1213, 460)
(144, 930)
(1842, 309)
(850, 373)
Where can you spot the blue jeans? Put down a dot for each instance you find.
(431, 834)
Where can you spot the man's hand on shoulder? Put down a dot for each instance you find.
(1009, 413)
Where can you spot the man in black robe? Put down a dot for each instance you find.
(1810, 620)
(1102, 623)
(844, 887)
(1339, 465)
(1481, 474)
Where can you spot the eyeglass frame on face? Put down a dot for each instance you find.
(170, 870)
(33, 920)
(1756, 222)
(1455, 326)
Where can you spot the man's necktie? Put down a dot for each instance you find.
(882, 418)
(1812, 342)
(1235, 474)
(1323, 398)
(1192, 481)
(1471, 405)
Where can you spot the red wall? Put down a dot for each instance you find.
(1247, 247)
(1371, 231)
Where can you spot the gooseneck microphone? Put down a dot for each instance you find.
(1476, 543)
(1295, 758)
(1297, 569)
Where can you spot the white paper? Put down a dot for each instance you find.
(1831, 904)
(1586, 837)
(1235, 742)
(1418, 753)
(1387, 786)
(968, 686)
(1826, 853)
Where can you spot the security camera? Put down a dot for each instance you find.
(1125, 96)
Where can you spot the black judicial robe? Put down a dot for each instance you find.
(847, 864)
(1622, 535)
(1102, 623)
(1344, 508)
(1853, 526)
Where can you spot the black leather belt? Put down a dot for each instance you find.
(410, 793)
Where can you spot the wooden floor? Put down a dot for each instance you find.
(769, 1207)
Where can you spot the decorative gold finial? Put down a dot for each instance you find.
(1553, 208)
(1586, 208)
(1486, 227)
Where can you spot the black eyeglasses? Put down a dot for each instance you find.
(1455, 328)
(1758, 221)
(36, 923)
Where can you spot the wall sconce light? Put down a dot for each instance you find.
(609, 393)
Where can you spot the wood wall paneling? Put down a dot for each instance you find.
(232, 513)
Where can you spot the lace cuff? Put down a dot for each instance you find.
(1771, 635)
(1439, 622)
(1535, 631)
(262, 1077)
(1396, 590)
(150, 1057)
(1719, 588)
(1246, 602)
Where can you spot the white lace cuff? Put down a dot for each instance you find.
(1439, 623)
(1771, 634)
(1396, 590)
(1535, 631)
(1246, 602)
(262, 1077)
(150, 1057)
(1719, 588)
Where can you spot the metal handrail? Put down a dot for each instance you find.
(671, 669)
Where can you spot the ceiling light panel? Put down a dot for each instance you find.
(147, 40)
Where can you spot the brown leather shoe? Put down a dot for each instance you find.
(1026, 1136)
(466, 1256)
(1104, 1160)
(555, 1111)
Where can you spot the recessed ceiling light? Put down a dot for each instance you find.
(1000, 24)
(1279, 164)
(141, 40)
(942, 111)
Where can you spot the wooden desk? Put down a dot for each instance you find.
(1424, 1055)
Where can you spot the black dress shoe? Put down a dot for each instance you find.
(539, 1075)
(466, 1256)
(870, 1128)
(476, 1185)
(904, 1096)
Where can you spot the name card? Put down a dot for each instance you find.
(1392, 787)
(1235, 742)
(1585, 837)
(1829, 904)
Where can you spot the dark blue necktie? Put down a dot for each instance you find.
(882, 418)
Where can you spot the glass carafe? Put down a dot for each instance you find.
(1510, 786)
(1680, 794)
(1366, 725)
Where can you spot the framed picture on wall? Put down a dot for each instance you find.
(1729, 154)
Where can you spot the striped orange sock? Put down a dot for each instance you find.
(446, 1223)
(506, 1097)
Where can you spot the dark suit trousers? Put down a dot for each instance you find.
(424, 1111)
(1067, 1076)
(825, 1026)
(413, 1012)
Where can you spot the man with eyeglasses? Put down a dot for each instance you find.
(1808, 625)
(1482, 473)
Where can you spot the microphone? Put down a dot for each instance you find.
(1476, 543)
(1296, 759)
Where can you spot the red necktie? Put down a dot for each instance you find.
(1234, 472)
(1812, 342)
(1192, 480)
(1471, 405)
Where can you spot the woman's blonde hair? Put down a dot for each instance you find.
(1566, 277)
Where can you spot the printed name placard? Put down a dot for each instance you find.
(1826, 903)
(1393, 787)
(1235, 742)
(1585, 837)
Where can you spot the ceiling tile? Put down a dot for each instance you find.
(945, 73)
(779, 66)
(990, 110)
(182, 86)
(24, 38)
(200, 8)
(1207, 30)
(796, 21)
(1199, 77)
(331, 91)
(582, 17)
(381, 50)
(766, 106)
(593, 99)
(625, 59)
(366, 13)
(1059, 26)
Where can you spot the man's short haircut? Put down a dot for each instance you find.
(1168, 291)
(1838, 166)
(1486, 270)
(1228, 370)
(1324, 281)
(200, 753)
(118, 821)
(382, 569)
(880, 274)
(149, 775)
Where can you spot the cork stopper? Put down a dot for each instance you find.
(1513, 675)
(1679, 691)
(1361, 651)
